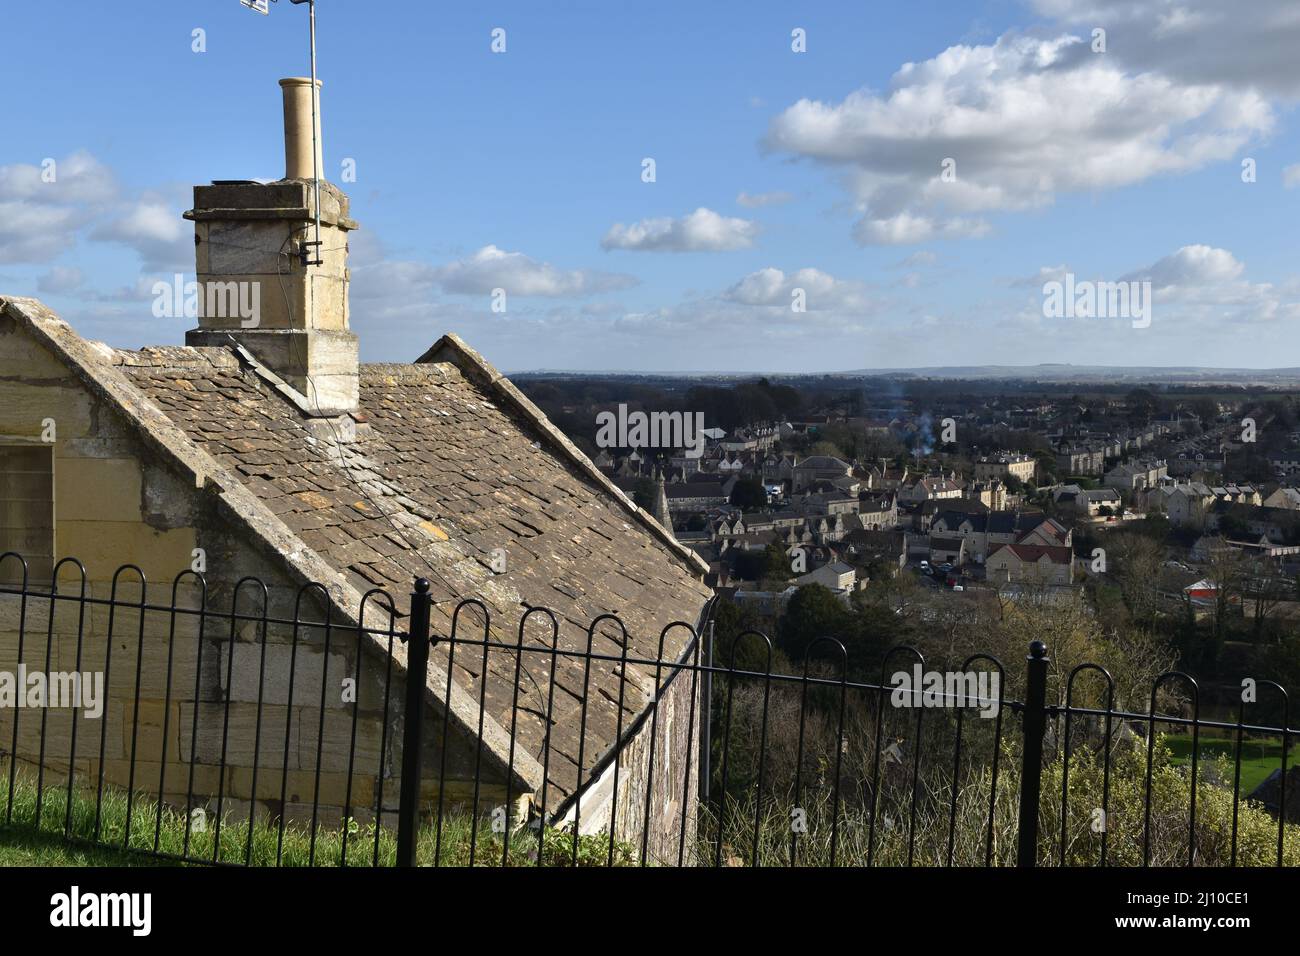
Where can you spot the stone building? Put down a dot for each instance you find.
(1003, 464)
(1137, 475)
(265, 448)
(1086, 460)
(818, 468)
(1030, 564)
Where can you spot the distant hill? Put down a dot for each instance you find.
(1057, 372)
(1048, 373)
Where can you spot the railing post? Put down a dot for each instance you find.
(706, 719)
(417, 665)
(1031, 766)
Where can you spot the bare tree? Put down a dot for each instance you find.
(1137, 564)
(1265, 589)
(1225, 573)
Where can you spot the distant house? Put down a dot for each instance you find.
(1253, 522)
(1137, 475)
(991, 493)
(1203, 591)
(884, 477)
(872, 427)
(1004, 464)
(1285, 463)
(1093, 502)
(1189, 504)
(1190, 464)
(832, 502)
(1086, 460)
(947, 550)
(819, 468)
(984, 532)
(730, 464)
(924, 515)
(1288, 498)
(877, 512)
(824, 529)
(930, 489)
(1035, 528)
(778, 470)
(837, 576)
(1030, 564)
(691, 496)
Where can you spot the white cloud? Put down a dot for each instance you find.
(759, 200)
(1024, 119)
(36, 233)
(1247, 45)
(1192, 266)
(153, 226)
(907, 229)
(772, 287)
(77, 178)
(492, 268)
(41, 220)
(1291, 176)
(701, 231)
(1197, 291)
(1195, 267)
(43, 208)
(61, 279)
(389, 279)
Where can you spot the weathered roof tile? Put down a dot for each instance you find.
(438, 483)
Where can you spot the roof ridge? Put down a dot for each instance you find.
(476, 366)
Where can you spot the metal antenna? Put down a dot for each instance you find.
(263, 7)
(315, 146)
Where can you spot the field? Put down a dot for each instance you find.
(1259, 756)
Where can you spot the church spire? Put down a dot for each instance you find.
(660, 508)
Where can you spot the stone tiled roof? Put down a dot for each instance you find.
(1034, 552)
(446, 475)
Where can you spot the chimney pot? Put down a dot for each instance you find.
(298, 128)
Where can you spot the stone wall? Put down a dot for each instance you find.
(669, 786)
(177, 695)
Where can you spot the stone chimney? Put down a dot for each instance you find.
(264, 284)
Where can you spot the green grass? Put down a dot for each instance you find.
(893, 842)
(1164, 832)
(24, 842)
(1259, 757)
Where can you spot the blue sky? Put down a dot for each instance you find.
(776, 171)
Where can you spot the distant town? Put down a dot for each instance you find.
(1179, 502)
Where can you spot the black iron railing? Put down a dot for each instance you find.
(247, 724)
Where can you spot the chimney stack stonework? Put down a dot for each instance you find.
(249, 247)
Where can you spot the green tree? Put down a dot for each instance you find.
(828, 448)
(748, 494)
(643, 493)
(812, 612)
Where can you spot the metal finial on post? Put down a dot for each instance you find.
(1031, 765)
(417, 667)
